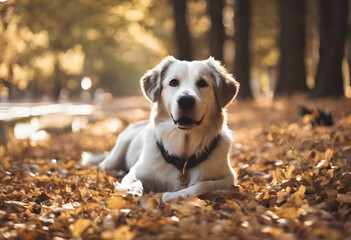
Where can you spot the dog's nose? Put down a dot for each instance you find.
(186, 102)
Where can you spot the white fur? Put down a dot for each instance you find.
(136, 149)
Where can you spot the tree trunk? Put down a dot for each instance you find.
(348, 46)
(217, 34)
(242, 19)
(292, 74)
(333, 23)
(182, 34)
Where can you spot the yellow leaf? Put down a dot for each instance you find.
(116, 202)
(307, 119)
(273, 136)
(289, 172)
(124, 233)
(344, 198)
(297, 197)
(149, 224)
(85, 193)
(266, 195)
(281, 196)
(315, 113)
(80, 226)
(323, 164)
(328, 154)
(233, 204)
(280, 174)
(288, 212)
(111, 180)
(274, 232)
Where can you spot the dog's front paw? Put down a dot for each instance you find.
(168, 196)
(103, 165)
(135, 188)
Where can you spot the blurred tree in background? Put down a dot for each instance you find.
(333, 26)
(242, 17)
(217, 34)
(47, 48)
(181, 30)
(292, 74)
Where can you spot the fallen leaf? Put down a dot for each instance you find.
(344, 198)
(80, 226)
(116, 202)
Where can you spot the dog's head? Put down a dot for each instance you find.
(189, 91)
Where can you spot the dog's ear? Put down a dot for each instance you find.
(226, 87)
(151, 81)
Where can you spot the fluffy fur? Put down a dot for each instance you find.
(136, 150)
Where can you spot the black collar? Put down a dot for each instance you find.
(192, 161)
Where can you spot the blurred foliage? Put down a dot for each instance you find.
(47, 46)
(265, 30)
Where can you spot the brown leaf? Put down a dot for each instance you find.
(80, 226)
(344, 198)
(116, 202)
(280, 174)
(298, 196)
(123, 232)
(274, 232)
(329, 154)
(289, 172)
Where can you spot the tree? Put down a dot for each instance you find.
(182, 34)
(292, 74)
(333, 26)
(242, 19)
(217, 34)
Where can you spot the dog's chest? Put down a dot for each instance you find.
(162, 176)
(159, 177)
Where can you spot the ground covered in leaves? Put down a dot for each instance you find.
(294, 181)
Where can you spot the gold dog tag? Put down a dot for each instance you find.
(183, 179)
(183, 176)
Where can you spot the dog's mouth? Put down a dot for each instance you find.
(185, 123)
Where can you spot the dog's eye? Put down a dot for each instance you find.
(173, 83)
(201, 84)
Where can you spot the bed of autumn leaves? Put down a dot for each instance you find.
(294, 181)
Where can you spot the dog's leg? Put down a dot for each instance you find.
(200, 188)
(115, 158)
(119, 151)
(130, 184)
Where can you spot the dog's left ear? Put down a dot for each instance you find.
(151, 81)
(226, 86)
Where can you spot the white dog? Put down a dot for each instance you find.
(183, 149)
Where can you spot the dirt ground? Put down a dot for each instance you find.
(293, 173)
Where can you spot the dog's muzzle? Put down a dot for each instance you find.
(186, 105)
(185, 123)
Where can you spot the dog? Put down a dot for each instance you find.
(183, 149)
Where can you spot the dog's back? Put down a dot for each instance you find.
(124, 154)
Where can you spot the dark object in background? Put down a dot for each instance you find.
(333, 17)
(3, 133)
(241, 65)
(181, 30)
(319, 116)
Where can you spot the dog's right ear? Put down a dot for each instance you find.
(226, 86)
(151, 81)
